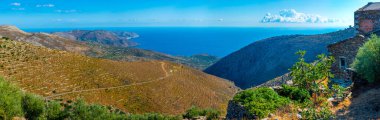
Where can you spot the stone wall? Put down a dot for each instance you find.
(235, 111)
(347, 49)
(367, 21)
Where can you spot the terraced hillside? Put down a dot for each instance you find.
(96, 49)
(136, 87)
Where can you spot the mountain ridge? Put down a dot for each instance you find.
(96, 49)
(266, 59)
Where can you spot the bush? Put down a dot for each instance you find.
(10, 100)
(294, 93)
(53, 110)
(261, 101)
(367, 61)
(321, 113)
(194, 112)
(79, 110)
(152, 116)
(33, 106)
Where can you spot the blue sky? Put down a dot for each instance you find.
(188, 13)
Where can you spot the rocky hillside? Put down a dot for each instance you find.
(100, 50)
(135, 87)
(113, 38)
(43, 39)
(266, 59)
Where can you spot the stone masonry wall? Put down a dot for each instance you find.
(367, 21)
(347, 49)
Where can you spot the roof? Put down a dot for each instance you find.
(370, 6)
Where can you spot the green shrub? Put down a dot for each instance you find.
(367, 61)
(194, 112)
(261, 101)
(53, 110)
(33, 106)
(338, 90)
(294, 93)
(320, 113)
(10, 100)
(79, 110)
(152, 116)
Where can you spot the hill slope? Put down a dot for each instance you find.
(266, 59)
(136, 87)
(100, 50)
(113, 38)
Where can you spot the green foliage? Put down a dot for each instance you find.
(10, 100)
(53, 110)
(294, 93)
(305, 75)
(33, 106)
(261, 101)
(152, 116)
(367, 61)
(312, 113)
(194, 112)
(338, 90)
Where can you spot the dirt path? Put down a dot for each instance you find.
(108, 88)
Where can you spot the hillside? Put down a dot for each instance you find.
(43, 39)
(113, 38)
(266, 59)
(135, 87)
(99, 50)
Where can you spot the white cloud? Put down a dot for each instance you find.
(45, 5)
(18, 9)
(292, 16)
(16, 4)
(66, 11)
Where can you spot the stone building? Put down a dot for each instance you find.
(367, 22)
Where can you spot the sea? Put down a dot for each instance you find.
(187, 41)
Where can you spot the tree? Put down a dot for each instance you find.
(311, 75)
(367, 61)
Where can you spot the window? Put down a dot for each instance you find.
(342, 62)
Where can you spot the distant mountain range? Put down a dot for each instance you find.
(102, 44)
(134, 87)
(266, 59)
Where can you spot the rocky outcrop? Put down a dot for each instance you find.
(235, 111)
(266, 59)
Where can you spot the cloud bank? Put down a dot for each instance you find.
(16, 4)
(45, 5)
(292, 16)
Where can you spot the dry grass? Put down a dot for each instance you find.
(50, 72)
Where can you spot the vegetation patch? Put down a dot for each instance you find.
(261, 101)
(195, 112)
(367, 61)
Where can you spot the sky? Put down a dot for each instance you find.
(178, 13)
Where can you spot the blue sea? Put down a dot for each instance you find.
(186, 41)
